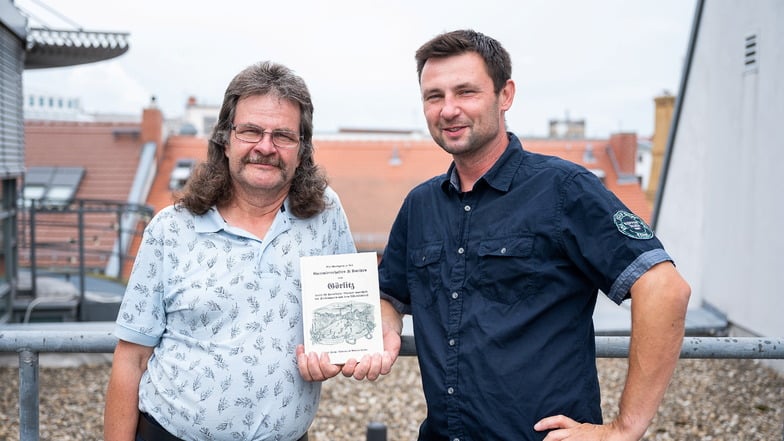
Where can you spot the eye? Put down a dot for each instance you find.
(248, 130)
(286, 137)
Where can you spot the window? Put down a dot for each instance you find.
(209, 123)
(181, 173)
(33, 192)
(51, 185)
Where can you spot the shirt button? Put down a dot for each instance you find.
(450, 391)
(460, 250)
(451, 342)
(467, 208)
(503, 250)
(455, 295)
(456, 439)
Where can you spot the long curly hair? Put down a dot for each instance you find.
(210, 182)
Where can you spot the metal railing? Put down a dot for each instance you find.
(81, 237)
(29, 343)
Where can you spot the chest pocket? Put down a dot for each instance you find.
(507, 272)
(425, 278)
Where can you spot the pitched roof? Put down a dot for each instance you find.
(373, 174)
(175, 148)
(109, 153)
(372, 177)
(629, 192)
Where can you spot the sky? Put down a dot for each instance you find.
(602, 61)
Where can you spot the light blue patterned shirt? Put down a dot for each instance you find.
(222, 309)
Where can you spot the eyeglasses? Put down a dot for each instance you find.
(283, 139)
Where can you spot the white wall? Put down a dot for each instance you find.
(722, 212)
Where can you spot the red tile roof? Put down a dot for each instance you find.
(374, 174)
(109, 152)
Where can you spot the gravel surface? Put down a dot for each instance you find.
(729, 400)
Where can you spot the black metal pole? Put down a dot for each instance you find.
(376, 431)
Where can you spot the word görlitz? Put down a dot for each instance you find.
(340, 285)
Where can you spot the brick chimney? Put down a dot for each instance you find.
(152, 123)
(624, 147)
(665, 106)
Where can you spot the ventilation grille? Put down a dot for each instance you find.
(751, 54)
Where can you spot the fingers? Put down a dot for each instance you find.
(555, 422)
(318, 368)
(314, 368)
(369, 367)
(562, 427)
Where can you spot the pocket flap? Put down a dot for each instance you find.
(507, 246)
(426, 255)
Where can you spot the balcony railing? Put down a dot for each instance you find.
(28, 343)
(77, 239)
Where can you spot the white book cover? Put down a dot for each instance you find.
(341, 307)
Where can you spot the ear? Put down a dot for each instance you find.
(506, 95)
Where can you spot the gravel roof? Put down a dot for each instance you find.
(731, 400)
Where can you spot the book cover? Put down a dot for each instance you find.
(340, 304)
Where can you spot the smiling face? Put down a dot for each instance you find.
(463, 113)
(262, 167)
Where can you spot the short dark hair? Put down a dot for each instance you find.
(497, 60)
(211, 182)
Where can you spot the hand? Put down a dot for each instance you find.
(315, 368)
(372, 366)
(565, 428)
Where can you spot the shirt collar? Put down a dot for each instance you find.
(212, 221)
(209, 222)
(500, 174)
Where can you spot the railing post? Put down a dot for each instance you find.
(33, 263)
(82, 276)
(120, 251)
(376, 431)
(28, 395)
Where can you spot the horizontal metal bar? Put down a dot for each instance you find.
(103, 341)
(693, 347)
(51, 340)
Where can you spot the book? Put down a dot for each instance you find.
(341, 306)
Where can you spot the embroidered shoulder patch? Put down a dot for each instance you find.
(631, 225)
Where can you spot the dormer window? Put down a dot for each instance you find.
(181, 173)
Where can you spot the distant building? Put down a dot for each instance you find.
(53, 108)
(566, 128)
(23, 47)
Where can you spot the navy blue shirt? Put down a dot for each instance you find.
(501, 282)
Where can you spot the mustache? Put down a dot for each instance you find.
(263, 160)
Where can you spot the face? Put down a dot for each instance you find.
(261, 166)
(463, 112)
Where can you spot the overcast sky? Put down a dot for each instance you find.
(601, 60)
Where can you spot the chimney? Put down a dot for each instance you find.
(624, 147)
(152, 124)
(665, 106)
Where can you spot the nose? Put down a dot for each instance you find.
(265, 144)
(451, 108)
